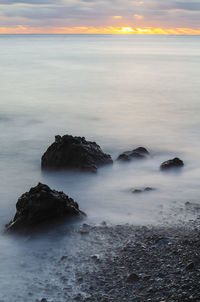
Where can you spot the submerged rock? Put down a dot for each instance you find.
(73, 152)
(41, 205)
(147, 189)
(172, 163)
(138, 153)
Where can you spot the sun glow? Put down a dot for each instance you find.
(127, 30)
(99, 30)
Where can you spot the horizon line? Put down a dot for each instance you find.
(95, 34)
(109, 30)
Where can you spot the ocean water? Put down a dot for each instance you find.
(120, 91)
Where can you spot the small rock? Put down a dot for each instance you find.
(172, 163)
(78, 298)
(147, 189)
(84, 232)
(133, 278)
(63, 258)
(190, 266)
(80, 280)
(136, 191)
(139, 153)
(96, 257)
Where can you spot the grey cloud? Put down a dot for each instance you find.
(188, 5)
(173, 4)
(176, 13)
(32, 2)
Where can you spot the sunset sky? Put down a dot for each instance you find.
(100, 16)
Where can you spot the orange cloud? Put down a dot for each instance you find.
(138, 3)
(138, 17)
(99, 30)
(117, 17)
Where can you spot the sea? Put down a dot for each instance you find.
(121, 91)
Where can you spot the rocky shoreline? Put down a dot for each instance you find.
(142, 264)
(131, 263)
(150, 264)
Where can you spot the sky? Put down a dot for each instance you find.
(100, 16)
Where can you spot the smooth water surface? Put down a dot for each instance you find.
(120, 91)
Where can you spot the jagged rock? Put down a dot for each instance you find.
(138, 153)
(172, 163)
(40, 205)
(72, 152)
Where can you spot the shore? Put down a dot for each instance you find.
(145, 264)
(129, 263)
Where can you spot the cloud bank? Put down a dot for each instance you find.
(45, 15)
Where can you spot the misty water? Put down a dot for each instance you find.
(120, 91)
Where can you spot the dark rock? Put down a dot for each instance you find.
(136, 191)
(63, 258)
(58, 139)
(187, 204)
(172, 163)
(190, 266)
(72, 152)
(133, 278)
(39, 205)
(95, 257)
(141, 150)
(138, 153)
(147, 189)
